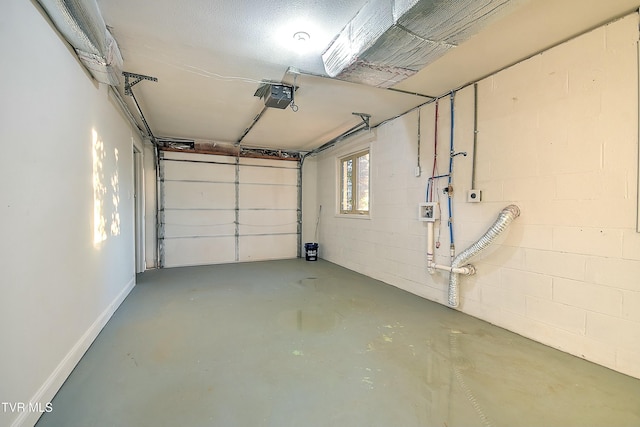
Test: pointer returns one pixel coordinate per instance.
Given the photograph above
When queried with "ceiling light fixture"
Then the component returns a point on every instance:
(301, 37)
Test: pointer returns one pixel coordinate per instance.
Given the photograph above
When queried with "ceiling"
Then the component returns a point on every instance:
(209, 57)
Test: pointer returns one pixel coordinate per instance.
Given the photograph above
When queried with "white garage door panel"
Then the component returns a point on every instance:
(258, 248)
(267, 162)
(189, 171)
(253, 196)
(198, 195)
(177, 155)
(268, 222)
(213, 215)
(199, 251)
(268, 175)
(197, 223)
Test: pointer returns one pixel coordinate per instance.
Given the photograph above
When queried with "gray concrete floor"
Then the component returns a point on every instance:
(297, 343)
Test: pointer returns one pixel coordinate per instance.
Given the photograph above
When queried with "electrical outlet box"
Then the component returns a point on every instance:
(474, 196)
(428, 211)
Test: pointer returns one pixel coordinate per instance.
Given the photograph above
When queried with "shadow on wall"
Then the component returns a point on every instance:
(106, 217)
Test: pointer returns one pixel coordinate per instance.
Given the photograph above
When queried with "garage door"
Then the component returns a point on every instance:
(220, 209)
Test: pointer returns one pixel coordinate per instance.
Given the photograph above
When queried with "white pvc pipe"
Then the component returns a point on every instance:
(467, 270)
(430, 250)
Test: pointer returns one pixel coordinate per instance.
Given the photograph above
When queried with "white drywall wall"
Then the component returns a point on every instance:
(558, 136)
(66, 179)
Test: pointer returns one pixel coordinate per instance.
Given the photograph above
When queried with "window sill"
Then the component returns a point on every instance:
(353, 216)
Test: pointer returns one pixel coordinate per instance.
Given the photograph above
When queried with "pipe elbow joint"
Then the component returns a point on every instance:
(470, 270)
(467, 270)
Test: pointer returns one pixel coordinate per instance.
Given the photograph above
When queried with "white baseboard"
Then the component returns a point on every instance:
(51, 386)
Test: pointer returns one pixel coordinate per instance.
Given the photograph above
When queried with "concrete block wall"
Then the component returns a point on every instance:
(558, 136)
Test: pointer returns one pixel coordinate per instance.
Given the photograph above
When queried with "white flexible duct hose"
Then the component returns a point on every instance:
(505, 217)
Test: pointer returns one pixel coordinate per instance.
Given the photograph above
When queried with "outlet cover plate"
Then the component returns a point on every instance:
(474, 196)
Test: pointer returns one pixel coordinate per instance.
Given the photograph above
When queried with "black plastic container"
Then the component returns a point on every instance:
(311, 251)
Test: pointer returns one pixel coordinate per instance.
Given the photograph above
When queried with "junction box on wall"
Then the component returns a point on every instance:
(474, 196)
(428, 211)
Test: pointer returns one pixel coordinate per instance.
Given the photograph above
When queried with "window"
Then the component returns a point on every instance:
(354, 184)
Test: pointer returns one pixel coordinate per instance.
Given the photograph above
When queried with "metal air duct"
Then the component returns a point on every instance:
(82, 25)
(506, 216)
(390, 40)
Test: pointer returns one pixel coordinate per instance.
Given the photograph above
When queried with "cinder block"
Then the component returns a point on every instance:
(385, 210)
(579, 186)
(528, 236)
(479, 310)
(594, 185)
(631, 306)
(622, 35)
(527, 327)
(414, 258)
(617, 273)
(588, 241)
(631, 245)
(526, 283)
(398, 254)
(415, 273)
(388, 266)
(558, 264)
(586, 80)
(515, 301)
(515, 77)
(619, 144)
(556, 315)
(584, 347)
(581, 151)
(530, 188)
(390, 195)
(550, 86)
(557, 136)
(491, 190)
(620, 57)
(589, 213)
(539, 213)
(552, 129)
(391, 226)
(470, 290)
(498, 255)
(492, 296)
(627, 362)
(584, 50)
(614, 331)
(601, 299)
(469, 230)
